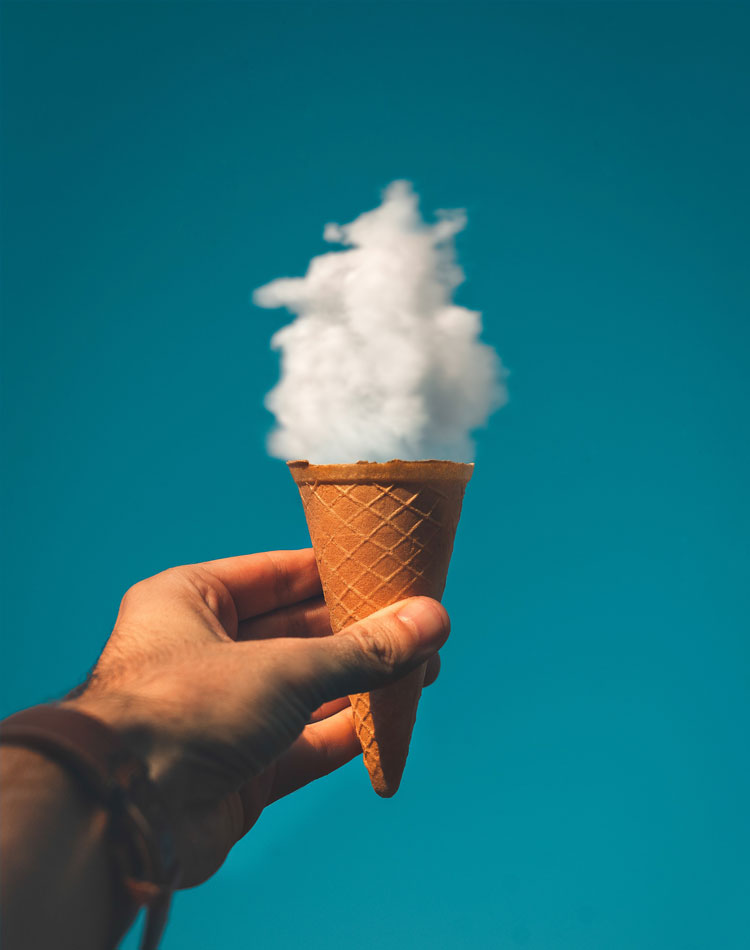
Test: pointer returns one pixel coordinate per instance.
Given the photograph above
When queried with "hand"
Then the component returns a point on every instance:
(225, 678)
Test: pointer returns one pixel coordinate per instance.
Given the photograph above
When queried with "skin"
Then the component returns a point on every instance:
(225, 679)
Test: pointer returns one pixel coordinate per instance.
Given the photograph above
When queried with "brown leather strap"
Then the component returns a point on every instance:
(141, 836)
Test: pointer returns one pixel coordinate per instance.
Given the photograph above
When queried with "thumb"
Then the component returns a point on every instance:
(380, 649)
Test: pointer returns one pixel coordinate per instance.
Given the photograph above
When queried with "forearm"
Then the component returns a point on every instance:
(58, 887)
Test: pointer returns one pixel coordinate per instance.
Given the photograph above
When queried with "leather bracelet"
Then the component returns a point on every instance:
(139, 822)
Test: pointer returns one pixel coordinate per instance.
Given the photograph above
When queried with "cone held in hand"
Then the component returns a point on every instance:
(381, 532)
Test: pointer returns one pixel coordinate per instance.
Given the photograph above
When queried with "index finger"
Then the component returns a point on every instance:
(262, 582)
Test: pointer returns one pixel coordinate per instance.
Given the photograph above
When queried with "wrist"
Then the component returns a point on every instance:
(137, 728)
(54, 842)
(35, 788)
(120, 713)
(98, 768)
(30, 780)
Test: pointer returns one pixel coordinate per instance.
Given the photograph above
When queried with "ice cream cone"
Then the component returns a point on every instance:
(382, 531)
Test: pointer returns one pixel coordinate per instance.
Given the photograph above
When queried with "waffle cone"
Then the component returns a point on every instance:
(382, 531)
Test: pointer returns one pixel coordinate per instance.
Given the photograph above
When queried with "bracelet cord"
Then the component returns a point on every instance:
(140, 834)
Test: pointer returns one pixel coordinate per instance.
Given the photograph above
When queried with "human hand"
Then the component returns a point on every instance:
(225, 678)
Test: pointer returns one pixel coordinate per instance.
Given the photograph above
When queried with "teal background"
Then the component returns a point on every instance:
(579, 774)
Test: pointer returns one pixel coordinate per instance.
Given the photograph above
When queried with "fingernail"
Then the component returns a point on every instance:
(429, 620)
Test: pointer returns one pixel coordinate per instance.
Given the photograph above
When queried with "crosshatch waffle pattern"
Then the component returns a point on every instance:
(376, 544)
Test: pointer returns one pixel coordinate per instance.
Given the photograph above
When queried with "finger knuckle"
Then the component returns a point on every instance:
(133, 595)
(379, 647)
(126, 599)
(213, 592)
(281, 579)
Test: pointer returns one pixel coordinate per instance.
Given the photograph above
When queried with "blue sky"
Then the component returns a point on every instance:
(578, 776)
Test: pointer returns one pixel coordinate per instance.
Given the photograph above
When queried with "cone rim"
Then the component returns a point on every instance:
(396, 470)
